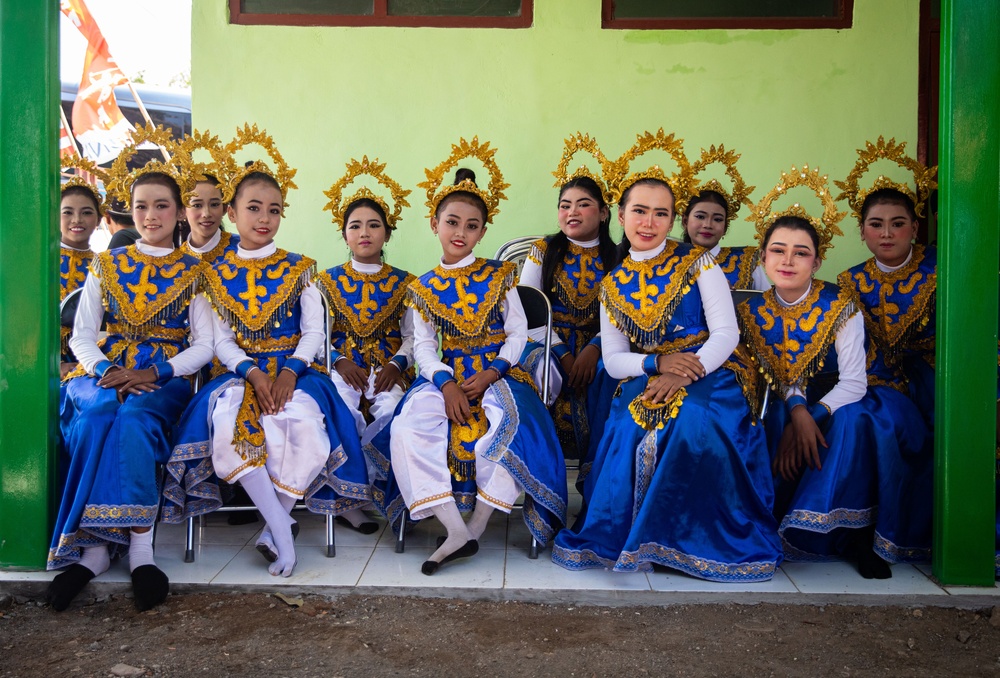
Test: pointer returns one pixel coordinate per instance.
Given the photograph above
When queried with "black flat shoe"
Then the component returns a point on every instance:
(871, 566)
(271, 555)
(469, 548)
(150, 586)
(367, 527)
(67, 585)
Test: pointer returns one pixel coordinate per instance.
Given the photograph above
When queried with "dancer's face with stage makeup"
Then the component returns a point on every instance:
(459, 225)
(156, 213)
(647, 215)
(790, 260)
(888, 231)
(204, 212)
(580, 214)
(78, 217)
(256, 211)
(365, 234)
(706, 223)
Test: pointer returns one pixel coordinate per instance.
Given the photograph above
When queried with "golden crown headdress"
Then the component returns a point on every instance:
(620, 179)
(122, 179)
(281, 173)
(923, 176)
(221, 167)
(78, 162)
(491, 195)
(338, 203)
(584, 142)
(826, 226)
(734, 198)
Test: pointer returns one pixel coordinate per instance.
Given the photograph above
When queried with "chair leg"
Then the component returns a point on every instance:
(533, 550)
(401, 539)
(331, 546)
(189, 541)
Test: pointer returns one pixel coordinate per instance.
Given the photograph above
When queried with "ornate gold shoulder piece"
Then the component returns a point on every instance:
(281, 173)
(89, 167)
(491, 195)
(826, 226)
(122, 178)
(338, 203)
(583, 142)
(221, 167)
(620, 179)
(923, 176)
(737, 196)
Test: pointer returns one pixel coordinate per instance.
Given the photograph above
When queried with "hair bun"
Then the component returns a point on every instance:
(464, 173)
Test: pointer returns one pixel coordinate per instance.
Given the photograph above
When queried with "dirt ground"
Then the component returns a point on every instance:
(259, 634)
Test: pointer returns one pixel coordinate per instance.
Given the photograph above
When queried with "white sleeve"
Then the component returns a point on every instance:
(87, 324)
(406, 330)
(312, 324)
(425, 348)
(200, 349)
(226, 348)
(515, 326)
(852, 382)
(619, 360)
(760, 281)
(720, 315)
(531, 276)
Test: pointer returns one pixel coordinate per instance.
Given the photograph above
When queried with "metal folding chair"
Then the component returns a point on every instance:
(516, 250)
(331, 547)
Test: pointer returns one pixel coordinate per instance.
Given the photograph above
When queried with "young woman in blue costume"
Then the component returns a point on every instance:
(568, 267)
(128, 389)
(273, 423)
(471, 432)
(681, 475)
(895, 292)
(372, 328)
(707, 213)
(825, 434)
(207, 240)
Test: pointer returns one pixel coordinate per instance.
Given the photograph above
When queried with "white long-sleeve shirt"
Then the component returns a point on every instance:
(852, 381)
(720, 316)
(90, 314)
(531, 275)
(515, 325)
(312, 324)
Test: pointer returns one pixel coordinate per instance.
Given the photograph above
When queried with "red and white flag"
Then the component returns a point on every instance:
(98, 123)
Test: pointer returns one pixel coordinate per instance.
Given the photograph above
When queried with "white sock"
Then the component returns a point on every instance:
(288, 503)
(258, 485)
(96, 559)
(140, 549)
(458, 533)
(480, 517)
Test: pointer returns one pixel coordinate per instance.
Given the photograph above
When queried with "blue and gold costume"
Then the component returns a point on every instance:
(699, 489)
(228, 242)
(261, 300)
(115, 446)
(73, 268)
(738, 263)
(465, 305)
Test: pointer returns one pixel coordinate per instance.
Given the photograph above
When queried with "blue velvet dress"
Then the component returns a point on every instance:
(465, 304)
(366, 311)
(685, 484)
(114, 446)
(579, 414)
(74, 265)
(266, 321)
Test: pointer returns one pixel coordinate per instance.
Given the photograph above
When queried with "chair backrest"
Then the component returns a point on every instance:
(536, 305)
(516, 250)
(68, 307)
(739, 296)
(325, 353)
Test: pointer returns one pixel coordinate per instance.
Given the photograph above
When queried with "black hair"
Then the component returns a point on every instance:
(795, 224)
(161, 179)
(468, 197)
(557, 244)
(625, 245)
(256, 178)
(708, 195)
(84, 191)
(888, 196)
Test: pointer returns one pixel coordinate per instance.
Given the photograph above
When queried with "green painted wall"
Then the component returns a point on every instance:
(405, 94)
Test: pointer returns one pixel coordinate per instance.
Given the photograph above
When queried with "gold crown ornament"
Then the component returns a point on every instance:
(826, 226)
(338, 203)
(122, 179)
(282, 173)
(221, 167)
(620, 179)
(491, 195)
(736, 197)
(923, 176)
(584, 142)
(82, 164)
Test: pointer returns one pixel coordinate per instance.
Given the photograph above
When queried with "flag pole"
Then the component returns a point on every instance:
(69, 130)
(145, 114)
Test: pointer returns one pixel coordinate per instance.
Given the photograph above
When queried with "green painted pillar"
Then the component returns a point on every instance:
(969, 238)
(29, 336)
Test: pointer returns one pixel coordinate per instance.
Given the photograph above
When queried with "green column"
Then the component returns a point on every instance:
(969, 237)
(29, 340)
